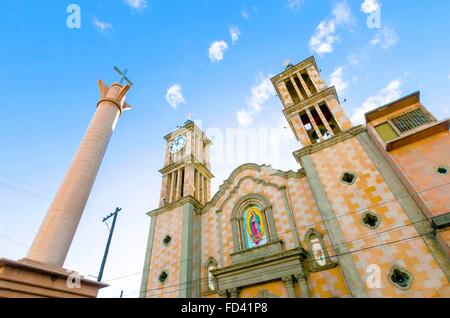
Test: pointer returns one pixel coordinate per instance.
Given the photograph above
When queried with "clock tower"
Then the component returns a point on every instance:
(173, 248)
(186, 170)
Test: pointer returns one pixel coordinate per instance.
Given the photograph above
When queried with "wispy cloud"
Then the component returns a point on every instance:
(449, 76)
(370, 6)
(260, 94)
(235, 33)
(385, 38)
(174, 96)
(388, 94)
(325, 37)
(245, 14)
(342, 14)
(295, 4)
(102, 26)
(244, 117)
(336, 79)
(137, 5)
(216, 51)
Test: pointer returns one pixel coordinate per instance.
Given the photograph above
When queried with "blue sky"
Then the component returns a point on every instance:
(212, 59)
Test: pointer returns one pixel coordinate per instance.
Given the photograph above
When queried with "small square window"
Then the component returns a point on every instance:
(163, 277)
(386, 132)
(370, 220)
(167, 240)
(442, 170)
(400, 278)
(348, 178)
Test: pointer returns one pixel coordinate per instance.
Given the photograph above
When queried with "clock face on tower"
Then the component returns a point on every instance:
(177, 144)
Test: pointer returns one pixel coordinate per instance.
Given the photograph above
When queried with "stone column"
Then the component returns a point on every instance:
(200, 182)
(178, 189)
(55, 235)
(314, 124)
(324, 120)
(305, 86)
(234, 292)
(205, 190)
(172, 187)
(223, 293)
(297, 89)
(289, 283)
(301, 281)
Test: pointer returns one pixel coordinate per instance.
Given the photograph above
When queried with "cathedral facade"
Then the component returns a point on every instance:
(367, 214)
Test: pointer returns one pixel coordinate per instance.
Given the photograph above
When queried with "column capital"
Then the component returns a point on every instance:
(289, 283)
(300, 276)
(288, 280)
(301, 281)
(234, 292)
(114, 94)
(223, 293)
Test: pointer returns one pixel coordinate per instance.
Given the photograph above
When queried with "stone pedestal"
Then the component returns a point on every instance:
(30, 279)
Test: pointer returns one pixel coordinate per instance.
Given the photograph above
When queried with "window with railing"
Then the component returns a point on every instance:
(412, 120)
(399, 125)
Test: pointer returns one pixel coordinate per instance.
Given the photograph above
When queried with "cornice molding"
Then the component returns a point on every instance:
(299, 66)
(189, 199)
(189, 125)
(314, 99)
(348, 134)
(189, 159)
(298, 253)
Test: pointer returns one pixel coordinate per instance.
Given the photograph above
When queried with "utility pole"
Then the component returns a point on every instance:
(111, 231)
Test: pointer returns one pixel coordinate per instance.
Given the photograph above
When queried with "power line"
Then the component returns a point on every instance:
(325, 245)
(38, 196)
(120, 277)
(47, 199)
(337, 217)
(320, 222)
(364, 209)
(259, 274)
(13, 241)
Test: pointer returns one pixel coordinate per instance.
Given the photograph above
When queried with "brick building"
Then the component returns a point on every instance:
(365, 216)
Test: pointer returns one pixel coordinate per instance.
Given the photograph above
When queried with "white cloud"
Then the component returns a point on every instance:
(322, 41)
(325, 36)
(136, 4)
(234, 33)
(245, 118)
(370, 6)
(342, 13)
(386, 38)
(295, 4)
(336, 79)
(388, 94)
(101, 25)
(174, 96)
(216, 51)
(260, 94)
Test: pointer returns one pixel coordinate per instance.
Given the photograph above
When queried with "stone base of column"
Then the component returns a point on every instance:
(28, 279)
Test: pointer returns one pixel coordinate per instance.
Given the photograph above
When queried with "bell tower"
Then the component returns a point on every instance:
(311, 107)
(186, 170)
(172, 266)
